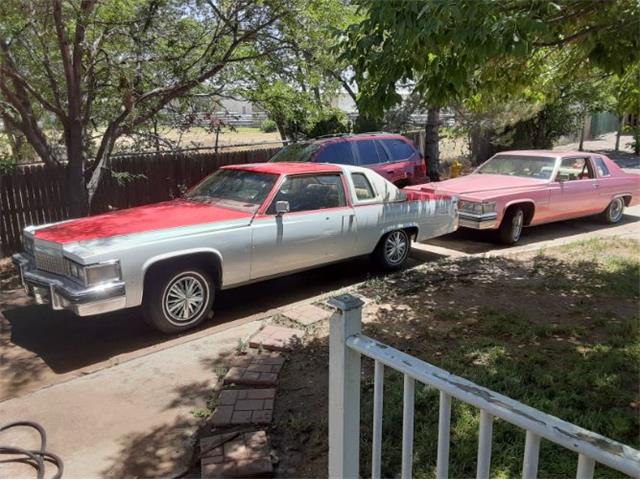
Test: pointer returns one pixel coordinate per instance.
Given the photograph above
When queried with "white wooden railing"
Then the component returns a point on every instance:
(347, 344)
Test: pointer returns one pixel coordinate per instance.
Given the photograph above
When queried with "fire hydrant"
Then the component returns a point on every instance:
(455, 168)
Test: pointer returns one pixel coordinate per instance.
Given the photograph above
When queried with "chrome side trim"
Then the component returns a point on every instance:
(478, 222)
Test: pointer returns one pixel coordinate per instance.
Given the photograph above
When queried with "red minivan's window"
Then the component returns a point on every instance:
(398, 149)
(368, 153)
(296, 152)
(339, 152)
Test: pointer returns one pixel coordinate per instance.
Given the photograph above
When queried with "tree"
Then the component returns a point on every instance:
(452, 49)
(100, 70)
(296, 84)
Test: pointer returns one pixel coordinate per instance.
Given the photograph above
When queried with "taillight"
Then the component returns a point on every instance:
(421, 169)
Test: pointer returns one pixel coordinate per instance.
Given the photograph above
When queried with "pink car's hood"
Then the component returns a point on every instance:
(484, 185)
(172, 214)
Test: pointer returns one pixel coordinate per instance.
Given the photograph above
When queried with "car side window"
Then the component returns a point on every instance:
(310, 192)
(398, 149)
(363, 188)
(367, 152)
(383, 155)
(603, 171)
(339, 152)
(574, 169)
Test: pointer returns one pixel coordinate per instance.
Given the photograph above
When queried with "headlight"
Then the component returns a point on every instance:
(103, 272)
(95, 274)
(477, 208)
(27, 243)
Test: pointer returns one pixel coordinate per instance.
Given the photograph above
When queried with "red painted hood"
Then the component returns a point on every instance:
(484, 185)
(172, 214)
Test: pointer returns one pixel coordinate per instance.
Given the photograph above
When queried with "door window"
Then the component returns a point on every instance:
(339, 152)
(398, 149)
(574, 169)
(367, 152)
(310, 192)
(603, 171)
(363, 188)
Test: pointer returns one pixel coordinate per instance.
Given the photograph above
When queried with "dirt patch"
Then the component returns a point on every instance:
(557, 330)
(9, 278)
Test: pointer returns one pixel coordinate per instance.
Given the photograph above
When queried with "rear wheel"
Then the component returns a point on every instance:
(178, 298)
(511, 226)
(615, 211)
(392, 250)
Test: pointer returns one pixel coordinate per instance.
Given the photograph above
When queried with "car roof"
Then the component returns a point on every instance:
(544, 153)
(285, 168)
(350, 137)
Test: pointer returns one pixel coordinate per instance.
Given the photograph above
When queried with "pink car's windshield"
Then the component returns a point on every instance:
(519, 166)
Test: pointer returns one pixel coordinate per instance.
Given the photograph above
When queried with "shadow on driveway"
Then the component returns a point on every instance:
(482, 241)
(38, 345)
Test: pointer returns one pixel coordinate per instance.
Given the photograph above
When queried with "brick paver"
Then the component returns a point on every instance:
(259, 370)
(244, 407)
(275, 337)
(306, 314)
(235, 455)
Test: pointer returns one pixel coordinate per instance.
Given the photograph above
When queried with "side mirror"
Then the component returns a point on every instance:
(282, 207)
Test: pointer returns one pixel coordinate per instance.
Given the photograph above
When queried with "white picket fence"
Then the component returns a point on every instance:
(347, 344)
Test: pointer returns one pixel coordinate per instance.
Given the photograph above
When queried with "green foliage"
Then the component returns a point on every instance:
(327, 122)
(450, 49)
(296, 84)
(367, 123)
(268, 126)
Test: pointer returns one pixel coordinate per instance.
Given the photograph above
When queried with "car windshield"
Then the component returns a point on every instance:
(242, 189)
(519, 166)
(296, 152)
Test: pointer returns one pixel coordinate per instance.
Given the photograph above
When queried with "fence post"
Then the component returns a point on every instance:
(344, 388)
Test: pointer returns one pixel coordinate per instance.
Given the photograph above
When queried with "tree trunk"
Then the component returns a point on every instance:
(480, 145)
(77, 196)
(619, 132)
(432, 144)
(584, 123)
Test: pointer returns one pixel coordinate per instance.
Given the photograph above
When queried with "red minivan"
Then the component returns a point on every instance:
(393, 156)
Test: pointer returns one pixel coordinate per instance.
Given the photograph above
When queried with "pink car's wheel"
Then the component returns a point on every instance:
(615, 211)
(511, 226)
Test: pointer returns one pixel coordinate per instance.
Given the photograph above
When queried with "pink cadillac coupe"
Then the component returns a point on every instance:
(518, 189)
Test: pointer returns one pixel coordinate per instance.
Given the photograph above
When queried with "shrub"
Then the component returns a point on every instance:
(268, 126)
(328, 122)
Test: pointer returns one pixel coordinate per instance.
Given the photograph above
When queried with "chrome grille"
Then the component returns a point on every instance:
(50, 263)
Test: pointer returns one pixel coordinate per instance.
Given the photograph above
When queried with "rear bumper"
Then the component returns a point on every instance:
(64, 294)
(478, 222)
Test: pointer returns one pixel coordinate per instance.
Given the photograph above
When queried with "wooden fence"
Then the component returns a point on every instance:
(35, 194)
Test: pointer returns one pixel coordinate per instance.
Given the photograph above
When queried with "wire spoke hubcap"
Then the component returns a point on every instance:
(185, 297)
(518, 221)
(615, 210)
(395, 247)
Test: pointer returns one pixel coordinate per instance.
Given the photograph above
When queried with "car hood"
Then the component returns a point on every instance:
(159, 216)
(483, 185)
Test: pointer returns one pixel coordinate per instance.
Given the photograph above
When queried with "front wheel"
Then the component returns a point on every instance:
(615, 211)
(392, 250)
(178, 298)
(511, 226)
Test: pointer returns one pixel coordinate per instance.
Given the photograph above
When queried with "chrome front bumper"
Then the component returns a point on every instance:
(64, 294)
(478, 222)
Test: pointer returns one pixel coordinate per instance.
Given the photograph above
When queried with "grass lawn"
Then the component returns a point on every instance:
(557, 330)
